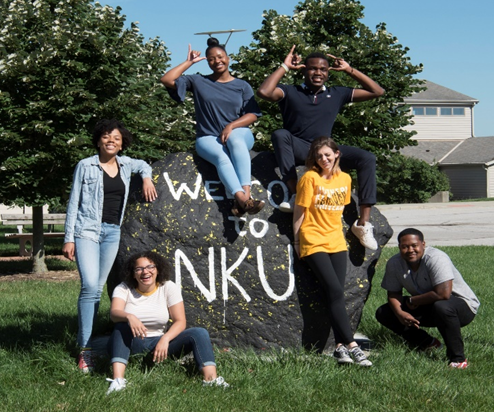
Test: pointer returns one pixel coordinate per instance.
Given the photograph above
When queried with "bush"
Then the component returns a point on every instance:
(403, 179)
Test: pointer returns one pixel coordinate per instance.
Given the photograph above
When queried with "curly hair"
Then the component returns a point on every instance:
(317, 144)
(163, 267)
(106, 126)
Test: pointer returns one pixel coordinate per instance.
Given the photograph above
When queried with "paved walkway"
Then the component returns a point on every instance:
(444, 224)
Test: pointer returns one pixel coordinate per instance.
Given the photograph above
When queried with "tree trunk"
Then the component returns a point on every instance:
(39, 264)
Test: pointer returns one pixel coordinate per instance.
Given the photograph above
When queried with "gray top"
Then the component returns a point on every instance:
(435, 267)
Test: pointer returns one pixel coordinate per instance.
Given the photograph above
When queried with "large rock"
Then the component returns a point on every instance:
(239, 277)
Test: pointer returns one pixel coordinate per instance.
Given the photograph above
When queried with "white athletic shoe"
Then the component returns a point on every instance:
(219, 381)
(288, 207)
(116, 385)
(365, 235)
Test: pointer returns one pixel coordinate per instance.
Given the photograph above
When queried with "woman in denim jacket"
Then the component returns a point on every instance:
(95, 212)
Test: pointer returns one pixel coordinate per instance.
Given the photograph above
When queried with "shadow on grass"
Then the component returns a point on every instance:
(8, 267)
(30, 328)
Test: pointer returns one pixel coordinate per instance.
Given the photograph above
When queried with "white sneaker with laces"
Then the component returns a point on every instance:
(288, 207)
(116, 385)
(219, 381)
(342, 355)
(365, 235)
(359, 356)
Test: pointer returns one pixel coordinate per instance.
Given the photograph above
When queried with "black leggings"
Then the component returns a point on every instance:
(330, 269)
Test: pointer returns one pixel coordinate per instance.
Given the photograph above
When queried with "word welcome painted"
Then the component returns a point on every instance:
(258, 228)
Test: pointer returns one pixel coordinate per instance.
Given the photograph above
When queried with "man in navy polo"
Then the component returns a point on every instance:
(309, 111)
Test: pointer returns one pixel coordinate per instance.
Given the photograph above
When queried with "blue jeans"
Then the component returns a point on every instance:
(195, 340)
(232, 161)
(94, 261)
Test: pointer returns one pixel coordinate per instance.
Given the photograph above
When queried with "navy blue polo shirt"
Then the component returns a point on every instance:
(307, 115)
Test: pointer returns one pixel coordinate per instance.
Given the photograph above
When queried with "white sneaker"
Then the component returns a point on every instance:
(219, 381)
(288, 207)
(359, 356)
(342, 355)
(365, 235)
(116, 385)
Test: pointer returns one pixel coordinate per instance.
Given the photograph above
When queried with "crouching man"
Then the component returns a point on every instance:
(438, 297)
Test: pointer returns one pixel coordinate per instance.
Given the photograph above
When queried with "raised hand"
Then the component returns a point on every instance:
(339, 64)
(194, 56)
(293, 60)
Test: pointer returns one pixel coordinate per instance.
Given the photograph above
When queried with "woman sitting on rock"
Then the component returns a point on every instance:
(225, 107)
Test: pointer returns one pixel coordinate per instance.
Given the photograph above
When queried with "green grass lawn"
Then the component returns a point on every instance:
(38, 370)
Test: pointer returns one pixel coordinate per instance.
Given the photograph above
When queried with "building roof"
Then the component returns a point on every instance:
(435, 94)
(475, 150)
(430, 151)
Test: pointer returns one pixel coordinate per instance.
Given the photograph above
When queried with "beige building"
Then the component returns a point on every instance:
(444, 122)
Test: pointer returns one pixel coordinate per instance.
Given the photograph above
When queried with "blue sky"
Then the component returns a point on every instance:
(453, 39)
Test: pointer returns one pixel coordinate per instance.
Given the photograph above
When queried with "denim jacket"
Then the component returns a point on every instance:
(85, 209)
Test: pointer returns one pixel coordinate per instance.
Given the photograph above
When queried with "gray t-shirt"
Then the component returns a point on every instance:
(435, 267)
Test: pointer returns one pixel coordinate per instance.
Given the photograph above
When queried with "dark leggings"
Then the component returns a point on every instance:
(330, 269)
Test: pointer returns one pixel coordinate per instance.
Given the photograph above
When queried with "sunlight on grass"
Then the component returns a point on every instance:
(38, 372)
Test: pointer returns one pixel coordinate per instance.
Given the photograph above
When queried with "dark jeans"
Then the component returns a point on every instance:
(195, 340)
(448, 316)
(330, 270)
(291, 151)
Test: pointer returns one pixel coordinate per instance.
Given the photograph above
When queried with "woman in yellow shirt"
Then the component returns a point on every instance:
(322, 193)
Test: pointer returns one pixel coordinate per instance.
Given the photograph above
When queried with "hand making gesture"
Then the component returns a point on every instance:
(194, 56)
(339, 64)
(292, 60)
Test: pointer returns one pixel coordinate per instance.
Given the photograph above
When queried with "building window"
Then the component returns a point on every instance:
(442, 111)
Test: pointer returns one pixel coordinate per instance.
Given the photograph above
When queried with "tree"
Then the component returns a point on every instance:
(333, 26)
(63, 66)
(400, 178)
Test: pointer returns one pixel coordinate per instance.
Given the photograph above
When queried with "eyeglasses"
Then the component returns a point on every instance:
(139, 269)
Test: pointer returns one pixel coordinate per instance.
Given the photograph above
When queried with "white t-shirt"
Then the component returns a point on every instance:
(435, 267)
(151, 310)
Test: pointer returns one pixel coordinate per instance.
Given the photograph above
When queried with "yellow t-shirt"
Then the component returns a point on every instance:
(324, 201)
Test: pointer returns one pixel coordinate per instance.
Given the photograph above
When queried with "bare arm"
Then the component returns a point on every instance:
(370, 89)
(177, 315)
(148, 190)
(268, 89)
(442, 291)
(193, 56)
(244, 121)
(395, 300)
(118, 314)
(298, 218)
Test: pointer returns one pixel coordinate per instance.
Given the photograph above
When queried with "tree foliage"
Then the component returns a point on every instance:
(333, 26)
(409, 180)
(64, 64)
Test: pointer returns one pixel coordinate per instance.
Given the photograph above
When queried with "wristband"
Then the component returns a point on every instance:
(285, 67)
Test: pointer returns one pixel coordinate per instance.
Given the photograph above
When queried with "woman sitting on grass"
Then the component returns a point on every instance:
(322, 193)
(141, 308)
